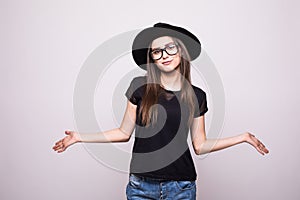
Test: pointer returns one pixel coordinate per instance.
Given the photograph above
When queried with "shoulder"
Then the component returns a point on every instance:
(200, 94)
(198, 91)
(202, 108)
(135, 90)
(139, 80)
(137, 83)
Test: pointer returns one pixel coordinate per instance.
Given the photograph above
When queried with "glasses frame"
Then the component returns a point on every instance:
(162, 50)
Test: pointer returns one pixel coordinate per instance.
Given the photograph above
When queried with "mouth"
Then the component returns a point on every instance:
(167, 62)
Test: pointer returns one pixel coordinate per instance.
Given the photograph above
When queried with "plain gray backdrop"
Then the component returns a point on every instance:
(255, 48)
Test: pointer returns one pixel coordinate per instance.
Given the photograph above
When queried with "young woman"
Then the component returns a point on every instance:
(162, 107)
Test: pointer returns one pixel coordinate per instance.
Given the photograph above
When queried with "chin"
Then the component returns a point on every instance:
(168, 69)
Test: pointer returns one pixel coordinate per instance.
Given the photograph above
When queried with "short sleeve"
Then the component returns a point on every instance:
(133, 92)
(201, 108)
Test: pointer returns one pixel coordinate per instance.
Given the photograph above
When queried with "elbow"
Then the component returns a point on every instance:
(197, 150)
(200, 150)
(125, 136)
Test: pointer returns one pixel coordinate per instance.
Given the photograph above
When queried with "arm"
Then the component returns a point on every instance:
(121, 134)
(203, 145)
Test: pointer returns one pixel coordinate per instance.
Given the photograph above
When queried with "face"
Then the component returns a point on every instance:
(167, 63)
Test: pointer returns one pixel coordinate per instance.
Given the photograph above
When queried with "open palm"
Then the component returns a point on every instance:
(71, 138)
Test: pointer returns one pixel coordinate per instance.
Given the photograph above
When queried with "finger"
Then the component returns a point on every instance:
(57, 144)
(258, 141)
(252, 135)
(255, 140)
(266, 150)
(257, 146)
(260, 151)
(263, 147)
(253, 143)
(60, 141)
(57, 147)
(61, 150)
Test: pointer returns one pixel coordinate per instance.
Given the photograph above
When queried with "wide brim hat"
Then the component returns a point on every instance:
(144, 38)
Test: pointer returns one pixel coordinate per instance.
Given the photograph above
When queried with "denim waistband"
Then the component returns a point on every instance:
(144, 178)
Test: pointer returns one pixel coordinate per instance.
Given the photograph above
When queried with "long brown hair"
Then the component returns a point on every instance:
(149, 112)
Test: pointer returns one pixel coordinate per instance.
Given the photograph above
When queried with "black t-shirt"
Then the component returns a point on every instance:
(161, 151)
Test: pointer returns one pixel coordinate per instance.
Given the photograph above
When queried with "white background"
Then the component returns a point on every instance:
(254, 45)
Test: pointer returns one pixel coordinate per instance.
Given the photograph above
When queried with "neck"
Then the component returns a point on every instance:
(171, 81)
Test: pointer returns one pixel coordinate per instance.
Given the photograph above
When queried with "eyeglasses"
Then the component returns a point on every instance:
(170, 49)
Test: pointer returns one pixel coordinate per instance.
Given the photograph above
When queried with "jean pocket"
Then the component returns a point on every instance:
(134, 181)
(185, 185)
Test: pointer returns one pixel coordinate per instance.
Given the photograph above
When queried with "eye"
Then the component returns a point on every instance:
(171, 46)
(155, 52)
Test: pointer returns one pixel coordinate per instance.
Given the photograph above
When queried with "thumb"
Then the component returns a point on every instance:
(67, 132)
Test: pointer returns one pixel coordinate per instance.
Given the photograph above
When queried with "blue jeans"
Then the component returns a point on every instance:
(139, 188)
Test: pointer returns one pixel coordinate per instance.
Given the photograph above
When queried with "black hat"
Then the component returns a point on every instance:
(145, 37)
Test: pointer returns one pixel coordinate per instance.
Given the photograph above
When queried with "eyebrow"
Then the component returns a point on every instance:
(163, 47)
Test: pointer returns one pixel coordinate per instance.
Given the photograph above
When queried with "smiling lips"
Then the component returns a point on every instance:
(167, 62)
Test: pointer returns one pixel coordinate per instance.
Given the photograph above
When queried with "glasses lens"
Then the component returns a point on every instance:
(171, 49)
(156, 54)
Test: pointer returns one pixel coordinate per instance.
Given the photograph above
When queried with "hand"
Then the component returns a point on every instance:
(260, 147)
(71, 138)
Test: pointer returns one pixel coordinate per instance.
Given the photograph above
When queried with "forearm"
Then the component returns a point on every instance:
(211, 145)
(114, 135)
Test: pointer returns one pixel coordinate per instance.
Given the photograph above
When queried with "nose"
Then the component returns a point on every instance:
(164, 54)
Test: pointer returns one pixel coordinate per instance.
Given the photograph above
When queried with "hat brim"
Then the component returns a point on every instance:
(145, 37)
